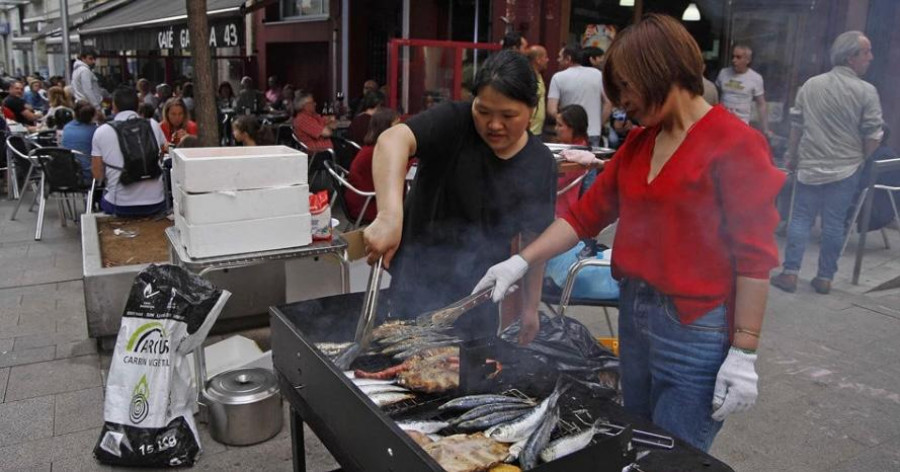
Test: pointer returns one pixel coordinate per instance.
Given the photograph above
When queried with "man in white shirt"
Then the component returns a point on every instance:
(85, 85)
(141, 198)
(578, 85)
(836, 123)
(740, 86)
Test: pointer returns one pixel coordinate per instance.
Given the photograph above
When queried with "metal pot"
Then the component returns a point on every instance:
(243, 406)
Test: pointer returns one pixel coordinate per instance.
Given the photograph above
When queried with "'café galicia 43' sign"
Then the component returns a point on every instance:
(222, 34)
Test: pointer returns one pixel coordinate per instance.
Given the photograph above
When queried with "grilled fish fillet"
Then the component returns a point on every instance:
(467, 453)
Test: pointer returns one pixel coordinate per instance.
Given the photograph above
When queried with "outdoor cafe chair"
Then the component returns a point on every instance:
(562, 297)
(18, 166)
(339, 175)
(344, 150)
(62, 179)
(318, 174)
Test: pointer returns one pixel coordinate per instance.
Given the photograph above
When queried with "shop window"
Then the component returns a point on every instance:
(304, 9)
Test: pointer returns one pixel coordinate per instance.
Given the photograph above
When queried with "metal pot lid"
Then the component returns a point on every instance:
(243, 386)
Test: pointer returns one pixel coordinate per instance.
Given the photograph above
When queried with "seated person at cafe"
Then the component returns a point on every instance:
(361, 168)
(15, 102)
(176, 122)
(249, 100)
(33, 96)
(359, 126)
(141, 198)
(313, 129)
(78, 135)
(248, 131)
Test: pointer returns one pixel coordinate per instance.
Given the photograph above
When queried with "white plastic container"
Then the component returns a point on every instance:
(200, 170)
(239, 205)
(239, 237)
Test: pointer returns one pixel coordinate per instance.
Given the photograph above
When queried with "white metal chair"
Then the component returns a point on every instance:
(17, 163)
(339, 175)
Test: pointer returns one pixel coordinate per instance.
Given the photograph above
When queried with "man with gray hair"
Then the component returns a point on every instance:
(835, 123)
(740, 86)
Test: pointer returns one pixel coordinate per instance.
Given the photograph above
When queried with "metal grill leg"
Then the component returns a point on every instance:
(298, 445)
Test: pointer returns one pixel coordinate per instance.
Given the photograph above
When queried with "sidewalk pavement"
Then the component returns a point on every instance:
(829, 370)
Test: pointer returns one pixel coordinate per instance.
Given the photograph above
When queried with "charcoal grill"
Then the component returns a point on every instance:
(364, 437)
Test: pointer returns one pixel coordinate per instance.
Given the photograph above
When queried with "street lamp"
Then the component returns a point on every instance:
(691, 13)
(626, 3)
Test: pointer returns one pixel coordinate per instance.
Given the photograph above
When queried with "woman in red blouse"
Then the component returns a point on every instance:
(361, 168)
(176, 123)
(694, 193)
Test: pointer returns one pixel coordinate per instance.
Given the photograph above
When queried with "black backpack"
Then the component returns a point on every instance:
(140, 150)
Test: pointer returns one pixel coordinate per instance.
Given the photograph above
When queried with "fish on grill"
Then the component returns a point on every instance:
(432, 374)
(573, 443)
(427, 427)
(528, 458)
(473, 401)
(425, 357)
(483, 410)
(467, 453)
(419, 437)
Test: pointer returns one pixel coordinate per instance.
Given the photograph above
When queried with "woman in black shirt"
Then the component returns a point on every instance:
(484, 186)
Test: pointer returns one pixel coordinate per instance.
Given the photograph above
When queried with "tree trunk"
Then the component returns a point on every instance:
(204, 88)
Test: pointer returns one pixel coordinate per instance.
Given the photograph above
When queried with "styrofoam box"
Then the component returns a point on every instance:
(240, 237)
(237, 205)
(199, 170)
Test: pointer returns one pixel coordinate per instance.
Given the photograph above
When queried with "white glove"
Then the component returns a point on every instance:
(585, 158)
(735, 385)
(502, 276)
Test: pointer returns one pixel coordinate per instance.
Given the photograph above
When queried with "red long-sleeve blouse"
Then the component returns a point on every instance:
(708, 216)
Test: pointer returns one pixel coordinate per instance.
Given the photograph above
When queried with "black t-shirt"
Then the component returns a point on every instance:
(17, 106)
(464, 209)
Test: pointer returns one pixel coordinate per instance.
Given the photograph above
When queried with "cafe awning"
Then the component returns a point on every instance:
(54, 27)
(149, 13)
(146, 25)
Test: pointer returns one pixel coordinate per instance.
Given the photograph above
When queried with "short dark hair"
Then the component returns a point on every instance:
(146, 110)
(187, 90)
(125, 99)
(372, 100)
(189, 141)
(589, 53)
(87, 51)
(652, 56)
(84, 111)
(511, 40)
(261, 134)
(576, 118)
(509, 73)
(573, 52)
(380, 122)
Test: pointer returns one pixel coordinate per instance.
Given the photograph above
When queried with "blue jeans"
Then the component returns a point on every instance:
(669, 369)
(832, 200)
(134, 210)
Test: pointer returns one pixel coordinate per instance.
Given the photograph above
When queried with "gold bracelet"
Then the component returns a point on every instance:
(755, 334)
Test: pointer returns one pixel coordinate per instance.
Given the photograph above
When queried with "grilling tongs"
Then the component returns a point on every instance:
(437, 318)
(367, 316)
